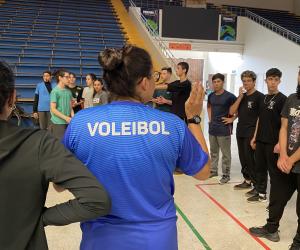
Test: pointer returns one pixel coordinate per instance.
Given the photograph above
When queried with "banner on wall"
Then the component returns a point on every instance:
(228, 28)
(152, 17)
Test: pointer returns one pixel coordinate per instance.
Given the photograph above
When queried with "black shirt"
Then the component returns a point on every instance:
(77, 94)
(180, 93)
(248, 113)
(291, 111)
(270, 118)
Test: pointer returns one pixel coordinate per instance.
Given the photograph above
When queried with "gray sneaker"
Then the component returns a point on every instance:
(224, 179)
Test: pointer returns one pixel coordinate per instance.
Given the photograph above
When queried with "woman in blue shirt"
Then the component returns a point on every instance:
(133, 150)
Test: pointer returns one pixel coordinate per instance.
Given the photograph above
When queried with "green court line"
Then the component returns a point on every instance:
(196, 233)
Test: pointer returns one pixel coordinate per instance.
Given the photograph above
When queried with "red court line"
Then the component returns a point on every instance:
(232, 217)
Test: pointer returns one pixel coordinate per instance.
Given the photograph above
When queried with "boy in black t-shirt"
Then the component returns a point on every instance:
(247, 107)
(267, 135)
(77, 100)
(286, 179)
(180, 90)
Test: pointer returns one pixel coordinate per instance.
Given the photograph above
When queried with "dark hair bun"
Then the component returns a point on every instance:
(110, 59)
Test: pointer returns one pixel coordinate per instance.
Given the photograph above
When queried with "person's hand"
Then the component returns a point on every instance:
(241, 91)
(162, 100)
(68, 119)
(36, 116)
(154, 100)
(276, 149)
(227, 120)
(194, 103)
(253, 143)
(284, 163)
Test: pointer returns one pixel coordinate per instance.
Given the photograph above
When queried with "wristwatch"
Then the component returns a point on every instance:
(196, 120)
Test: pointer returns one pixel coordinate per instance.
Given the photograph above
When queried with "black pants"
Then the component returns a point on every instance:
(265, 160)
(283, 187)
(246, 155)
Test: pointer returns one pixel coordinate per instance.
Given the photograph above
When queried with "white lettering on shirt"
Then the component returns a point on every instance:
(128, 128)
(94, 129)
(102, 131)
(294, 112)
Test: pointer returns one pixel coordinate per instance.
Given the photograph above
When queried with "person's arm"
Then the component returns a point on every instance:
(35, 106)
(209, 111)
(83, 97)
(193, 107)
(235, 106)
(162, 100)
(253, 140)
(59, 114)
(71, 110)
(161, 86)
(59, 166)
(283, 157)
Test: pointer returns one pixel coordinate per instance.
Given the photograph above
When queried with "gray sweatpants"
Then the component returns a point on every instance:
(223, 143)
(44, 119)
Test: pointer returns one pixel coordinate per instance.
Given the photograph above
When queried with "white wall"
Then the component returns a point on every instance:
(265, 49)
(265, 4)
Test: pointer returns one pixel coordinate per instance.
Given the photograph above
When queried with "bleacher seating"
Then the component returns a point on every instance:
(153, 4)
(282, 18)
(39, 35)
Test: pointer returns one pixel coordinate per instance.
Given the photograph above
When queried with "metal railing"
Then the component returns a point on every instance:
(156, 38)
(273, 26)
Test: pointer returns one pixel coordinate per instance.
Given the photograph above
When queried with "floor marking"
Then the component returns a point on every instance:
(194, 230)
(232, 217)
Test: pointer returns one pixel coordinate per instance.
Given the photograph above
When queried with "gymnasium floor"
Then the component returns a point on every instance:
(210, 216)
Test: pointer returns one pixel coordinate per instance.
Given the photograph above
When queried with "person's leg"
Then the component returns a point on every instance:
(214, 154)
(58, 130)
(296, 240)
(261, 173)
(43, 120)
(250, 160)
(282, 188)
(225, 146)
(242, 155)
(48, 117)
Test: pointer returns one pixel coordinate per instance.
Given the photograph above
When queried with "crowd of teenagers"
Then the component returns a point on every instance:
(118, 159)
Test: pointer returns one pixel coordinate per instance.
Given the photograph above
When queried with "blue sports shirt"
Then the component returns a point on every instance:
(133, 150)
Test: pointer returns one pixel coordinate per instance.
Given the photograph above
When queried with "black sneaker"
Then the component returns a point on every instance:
(257, 198)
(224, 179)
(262, 232)
(251, 193)
(243, 185)
(296, 243)
(213, 175)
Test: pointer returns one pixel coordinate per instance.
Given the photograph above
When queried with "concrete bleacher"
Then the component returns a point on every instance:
(39, 35)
